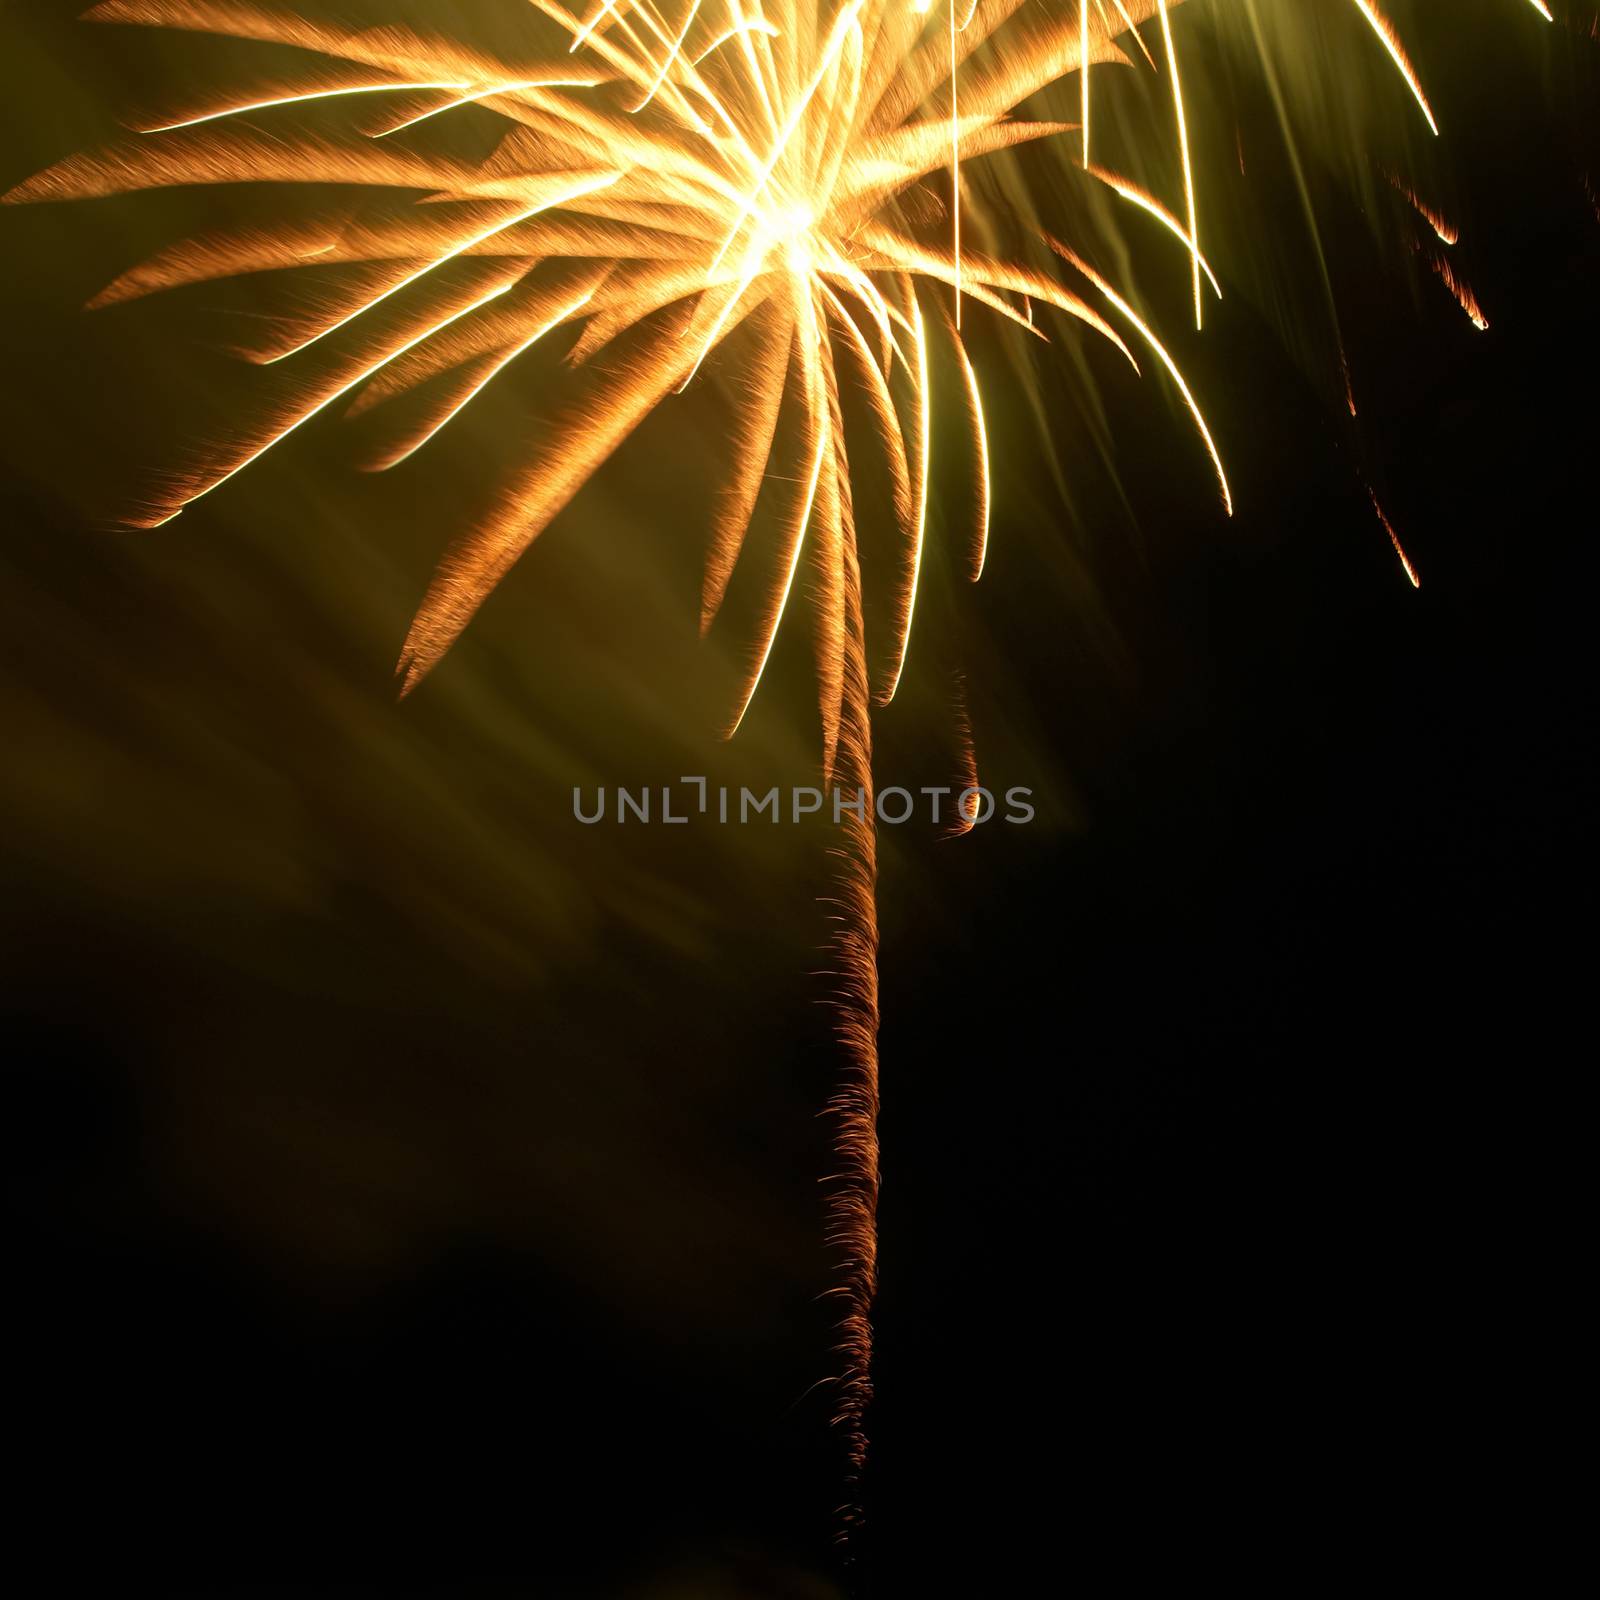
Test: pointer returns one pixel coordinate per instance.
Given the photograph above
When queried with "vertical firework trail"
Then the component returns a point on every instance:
(853, 1203)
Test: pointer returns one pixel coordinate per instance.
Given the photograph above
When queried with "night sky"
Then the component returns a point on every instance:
(416, 1192)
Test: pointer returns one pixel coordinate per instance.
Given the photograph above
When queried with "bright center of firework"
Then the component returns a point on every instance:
(788, 231)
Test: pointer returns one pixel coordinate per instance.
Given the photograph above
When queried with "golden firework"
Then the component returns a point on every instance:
(666, 174)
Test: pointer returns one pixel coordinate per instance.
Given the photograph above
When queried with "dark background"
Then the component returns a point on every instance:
(416, 1192)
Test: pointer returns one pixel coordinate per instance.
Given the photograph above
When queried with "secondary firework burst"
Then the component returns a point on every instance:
(669, 176)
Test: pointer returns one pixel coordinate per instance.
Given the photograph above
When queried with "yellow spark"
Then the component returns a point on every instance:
(566, 312)
(819, 421)
(302, 98)
(1183, 151)
(584, 34)
(924, 476)
(758, 25)
(1441, 225)
(1146, 201)
(1161, 352)
(343, 389)
(758, 66)
(1397, 54)
(967, 813)
(981, 438)
(1394, 539)
(1132, 27)
(589, 186)
(955, 164)
(1461, 290)
(670, 57)
(479, 95)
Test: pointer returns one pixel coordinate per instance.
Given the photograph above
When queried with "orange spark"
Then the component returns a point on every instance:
(1391, 42)
(1446, 230)
(1394, 539)
(1460, 289)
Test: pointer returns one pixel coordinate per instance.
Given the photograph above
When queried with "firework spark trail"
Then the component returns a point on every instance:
(969, 801)
(955, 159)
(478, 377)
(852, 1206)
(1397, 53)
(1166, 360)
(1460, 290)
(1147, 202)
(744, 183)
(1394, 539)
(341, 387)
(924, 476)
(1085, 61)
(1183, 154)
(980, 435)
(1446, 230)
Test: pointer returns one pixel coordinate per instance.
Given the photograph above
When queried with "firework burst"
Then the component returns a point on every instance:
(667, 176)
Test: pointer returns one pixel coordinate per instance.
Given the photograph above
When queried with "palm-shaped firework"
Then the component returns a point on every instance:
(667, 175)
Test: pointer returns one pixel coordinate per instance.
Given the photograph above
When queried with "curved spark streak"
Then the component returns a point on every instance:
(1161, 353)
(924, 474)
(757, 25)
(819, 455)
(1183, 151)
(301, 99)
(955, 163)
(1397, 54)
(1083, 73)
(981, 433)
(1133, 28)
(1394, 539)
(343, 389)
(589, 187)
(494, 370)
(1460, 290)
(494, 90)
(583, 36)
(669, 58)
(1147, 202)
(1446, 230)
